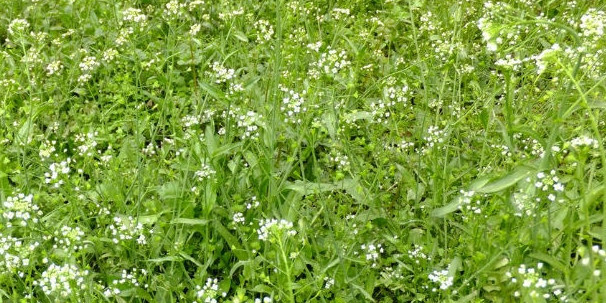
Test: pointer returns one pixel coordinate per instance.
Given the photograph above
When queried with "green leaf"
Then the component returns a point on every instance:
(447, 209)
(240, 36)
(25, 130)
(225, 149)
(304, 188)
(213, 92)
(150, 219)
(262, 289)
(363, 291)
(355, 190)
(227, 236)
(507, 181)
(238, 265)
(553, 262)
(165, 259)
(188, 221)
(170, 190)
(190, 258)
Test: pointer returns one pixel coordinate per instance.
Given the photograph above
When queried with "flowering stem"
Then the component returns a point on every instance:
(291, 297)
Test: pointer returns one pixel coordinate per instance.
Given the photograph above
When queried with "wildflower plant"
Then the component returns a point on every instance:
(302, 151)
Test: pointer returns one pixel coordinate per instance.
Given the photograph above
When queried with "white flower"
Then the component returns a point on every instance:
(274, 227)
(205, 172)
(134, 15)
(221, 74)
(264, 31)
(17, 25)
(209, 292)
(441, 277)
(330, 63)
(54, 67)
(194, 29)
(57, 280)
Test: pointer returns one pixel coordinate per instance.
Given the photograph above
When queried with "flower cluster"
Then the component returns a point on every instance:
(502, 149)
(124, 229)
(372, 252)
(532, 146)
(17, 26)
(264, 31)
(593, 23)
(194, 29)
(340, 13)
(87, 66)
(221, 73)
(109, 55)
(134, 15)
(56, 171)
(69, 238)
(15, 254)
(132, 278)
(328, 282)
(293, 104)
(238, 218)
(442, 278)
(20, 209)
(54, 67)
(209, 292)
(174, 9)
(254, 203)
(264, 300)
(205, 172)
(381, 109)
(580, 142)
(275, 228)
(57, 281)
(547, 182)
(417, 254)
(468, 205)
(331, 63)
(87, 143)
(534, 284)
(249, 125)
(339, 160)
(435, 137)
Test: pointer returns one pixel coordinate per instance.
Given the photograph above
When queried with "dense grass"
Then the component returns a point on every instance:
(302, 151)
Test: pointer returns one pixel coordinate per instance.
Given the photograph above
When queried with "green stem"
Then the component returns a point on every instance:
(291, 296)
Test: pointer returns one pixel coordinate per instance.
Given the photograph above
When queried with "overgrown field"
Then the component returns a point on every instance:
(302, 151)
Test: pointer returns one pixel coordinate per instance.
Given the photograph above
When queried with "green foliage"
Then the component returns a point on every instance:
(302, 151)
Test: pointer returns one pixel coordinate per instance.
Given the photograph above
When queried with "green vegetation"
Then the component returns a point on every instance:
(302, 151)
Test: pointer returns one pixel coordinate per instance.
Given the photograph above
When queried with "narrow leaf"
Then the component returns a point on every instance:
(188, 221)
